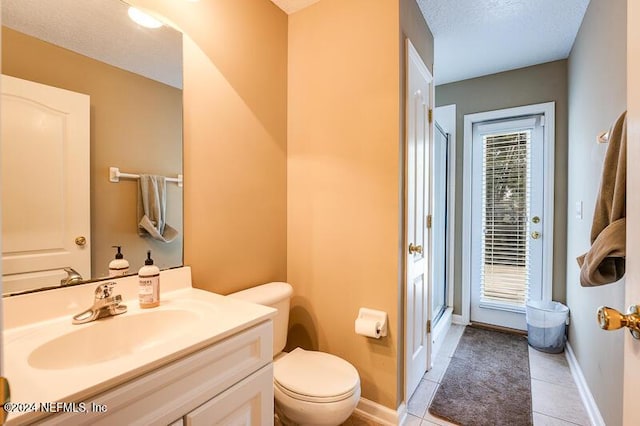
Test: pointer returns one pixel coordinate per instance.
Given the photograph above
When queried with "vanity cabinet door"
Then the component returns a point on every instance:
(247, 403)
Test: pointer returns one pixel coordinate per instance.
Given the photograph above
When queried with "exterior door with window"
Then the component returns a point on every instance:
(507, 219)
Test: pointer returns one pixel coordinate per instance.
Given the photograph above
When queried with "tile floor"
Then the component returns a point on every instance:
(555, 398)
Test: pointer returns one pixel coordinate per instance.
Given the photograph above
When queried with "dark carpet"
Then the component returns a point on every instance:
(487, 381)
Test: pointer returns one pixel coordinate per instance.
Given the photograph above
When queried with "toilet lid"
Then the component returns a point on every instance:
(315, 376)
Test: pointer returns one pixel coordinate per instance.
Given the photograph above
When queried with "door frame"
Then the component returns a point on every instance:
(548, 110)
(630, 406)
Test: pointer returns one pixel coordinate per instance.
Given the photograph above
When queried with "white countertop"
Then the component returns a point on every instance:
(215, 318)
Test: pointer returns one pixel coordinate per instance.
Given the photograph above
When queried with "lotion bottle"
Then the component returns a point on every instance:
(118, 266)
(149, 279)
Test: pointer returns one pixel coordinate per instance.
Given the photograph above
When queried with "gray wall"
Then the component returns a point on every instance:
(597, 95)
(525, 86)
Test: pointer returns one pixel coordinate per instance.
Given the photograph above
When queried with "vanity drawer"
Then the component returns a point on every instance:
(249, 402)
(168, 393)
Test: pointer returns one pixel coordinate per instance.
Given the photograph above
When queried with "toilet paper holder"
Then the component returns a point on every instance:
(377, 317)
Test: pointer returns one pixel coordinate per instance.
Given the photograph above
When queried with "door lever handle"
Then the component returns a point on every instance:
(611, 319)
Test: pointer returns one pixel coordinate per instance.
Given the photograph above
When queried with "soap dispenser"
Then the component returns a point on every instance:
(149, 280)
(118, 266)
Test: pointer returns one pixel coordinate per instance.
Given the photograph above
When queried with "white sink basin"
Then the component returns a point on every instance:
(111, 337)
(47, 358)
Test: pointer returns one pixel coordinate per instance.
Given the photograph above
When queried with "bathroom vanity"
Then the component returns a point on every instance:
(198, 358)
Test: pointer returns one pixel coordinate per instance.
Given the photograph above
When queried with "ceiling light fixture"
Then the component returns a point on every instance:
(143, 19)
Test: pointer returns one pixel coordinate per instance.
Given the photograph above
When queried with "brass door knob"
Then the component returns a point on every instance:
(5, 396)
(81, 241)
(535, 235)
(414, 249)
(611, 319)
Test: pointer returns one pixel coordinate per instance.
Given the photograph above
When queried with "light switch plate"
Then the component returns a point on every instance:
(578, 209)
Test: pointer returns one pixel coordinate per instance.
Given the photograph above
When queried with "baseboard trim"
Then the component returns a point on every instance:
(585, 394)
(457, 319)
(401, 413)
(381, 414)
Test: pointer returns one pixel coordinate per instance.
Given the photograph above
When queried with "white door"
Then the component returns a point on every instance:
(418, 133)
(45, 177)
(507, 219)
(631, 396)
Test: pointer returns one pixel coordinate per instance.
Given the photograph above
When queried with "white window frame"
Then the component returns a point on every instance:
(548, 111)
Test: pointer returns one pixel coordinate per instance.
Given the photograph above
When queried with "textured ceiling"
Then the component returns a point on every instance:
(292, 6)
(481, 37)
(472, 37)
(100, 29)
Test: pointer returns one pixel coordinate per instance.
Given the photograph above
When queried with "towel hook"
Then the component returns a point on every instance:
(603, 137)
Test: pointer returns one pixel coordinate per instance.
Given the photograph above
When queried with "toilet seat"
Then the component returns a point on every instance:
(310, 398)
(315, 376)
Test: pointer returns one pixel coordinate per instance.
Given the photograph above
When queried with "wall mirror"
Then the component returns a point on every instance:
(130, 78)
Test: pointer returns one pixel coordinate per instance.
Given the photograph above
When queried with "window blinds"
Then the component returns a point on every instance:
(506, 185)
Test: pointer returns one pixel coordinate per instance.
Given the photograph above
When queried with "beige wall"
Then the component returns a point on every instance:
(338, 239)
(597, 96)
(136, 124)
(344, 182)
(343, 170)
(532, 85)
(235, 141)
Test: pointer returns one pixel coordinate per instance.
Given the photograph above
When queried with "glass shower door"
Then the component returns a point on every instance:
(439, 223)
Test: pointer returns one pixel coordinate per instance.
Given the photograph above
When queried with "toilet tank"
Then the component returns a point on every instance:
(275, 295)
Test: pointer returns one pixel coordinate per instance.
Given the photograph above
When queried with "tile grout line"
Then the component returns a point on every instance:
(437, 384)
(558, 384)
(553, 383)
(449, 356)
(556, 418)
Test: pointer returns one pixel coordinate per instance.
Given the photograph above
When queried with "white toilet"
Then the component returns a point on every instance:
(310, 388)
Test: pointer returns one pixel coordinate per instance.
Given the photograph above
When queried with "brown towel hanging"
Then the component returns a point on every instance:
(604, 263)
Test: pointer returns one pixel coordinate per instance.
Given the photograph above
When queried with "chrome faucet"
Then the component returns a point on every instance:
(104, 305)
(73, 277)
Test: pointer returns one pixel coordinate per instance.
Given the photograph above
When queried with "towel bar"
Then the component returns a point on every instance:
(115, 174)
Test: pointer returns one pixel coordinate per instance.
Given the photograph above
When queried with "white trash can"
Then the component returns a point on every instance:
(547, 325)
